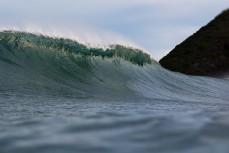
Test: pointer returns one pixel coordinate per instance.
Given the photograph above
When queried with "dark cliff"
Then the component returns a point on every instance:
(205, 53)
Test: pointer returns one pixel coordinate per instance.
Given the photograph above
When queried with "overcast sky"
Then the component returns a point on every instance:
(156, 25)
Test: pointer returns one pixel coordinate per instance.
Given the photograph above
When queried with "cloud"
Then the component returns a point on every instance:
(156, 25)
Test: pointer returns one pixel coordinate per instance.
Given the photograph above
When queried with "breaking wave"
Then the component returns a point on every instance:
(35, 64)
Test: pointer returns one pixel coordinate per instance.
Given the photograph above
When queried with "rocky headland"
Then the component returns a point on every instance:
(205, 53)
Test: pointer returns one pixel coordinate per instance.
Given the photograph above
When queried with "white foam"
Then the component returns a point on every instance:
(88, 36)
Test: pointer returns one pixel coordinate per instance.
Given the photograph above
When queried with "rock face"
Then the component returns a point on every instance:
(205, 53)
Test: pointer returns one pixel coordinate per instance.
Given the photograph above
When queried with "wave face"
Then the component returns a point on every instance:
(65, 63)
(103, 100)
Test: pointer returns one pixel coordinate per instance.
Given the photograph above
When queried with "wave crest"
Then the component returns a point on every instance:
(25, 41)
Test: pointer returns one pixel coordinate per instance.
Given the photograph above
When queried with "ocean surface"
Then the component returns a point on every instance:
(59, 96)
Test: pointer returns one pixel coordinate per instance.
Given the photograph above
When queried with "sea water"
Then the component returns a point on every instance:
(57, 98)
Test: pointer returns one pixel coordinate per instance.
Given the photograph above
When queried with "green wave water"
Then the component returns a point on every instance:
(25, 41)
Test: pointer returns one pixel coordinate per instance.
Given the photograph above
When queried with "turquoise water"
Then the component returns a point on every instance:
(57, 95)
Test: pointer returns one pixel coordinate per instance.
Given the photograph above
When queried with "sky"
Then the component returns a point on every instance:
(156, 26)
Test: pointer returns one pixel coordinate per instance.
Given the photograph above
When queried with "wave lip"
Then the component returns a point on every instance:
(22, 40)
